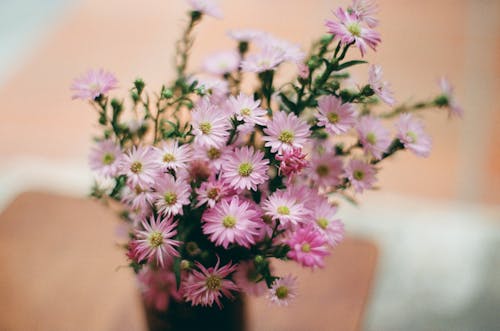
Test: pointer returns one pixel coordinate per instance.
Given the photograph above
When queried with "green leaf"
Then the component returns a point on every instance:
(177, 272)
(349, 64)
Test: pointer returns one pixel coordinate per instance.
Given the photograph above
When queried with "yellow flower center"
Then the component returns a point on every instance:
(229, 221)
(136, 167)
(322, 170)
(412, 136)
(155, 239)
(333, 117)
(322, 223)
(286, 136)
(306, 248)
(245, 169)
(170, 198)
(283, 210)
(358, 175)
(168, 157)
(281, 292)
(108, 158)
(354, 29)
(213, 282)
(212, 193)
(245, 112)
(205, 127)
(371, 138)
(213, 153)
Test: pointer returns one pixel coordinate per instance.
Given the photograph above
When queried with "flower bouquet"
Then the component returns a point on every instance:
(215, 179)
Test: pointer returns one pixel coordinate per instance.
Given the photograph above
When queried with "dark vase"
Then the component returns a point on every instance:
(184, 317)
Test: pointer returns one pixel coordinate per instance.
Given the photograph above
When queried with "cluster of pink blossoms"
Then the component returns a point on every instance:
(217, 180)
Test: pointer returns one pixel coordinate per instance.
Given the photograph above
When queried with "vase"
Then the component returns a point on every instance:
(184, 317)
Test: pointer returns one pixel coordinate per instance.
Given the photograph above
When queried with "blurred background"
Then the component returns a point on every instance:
(436, 221)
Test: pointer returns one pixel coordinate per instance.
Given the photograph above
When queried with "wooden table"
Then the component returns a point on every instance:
(60, 271)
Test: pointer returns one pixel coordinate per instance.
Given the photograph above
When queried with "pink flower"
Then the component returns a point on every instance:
(171, 195)
(215, 88)
(246, 277)
(413, 136)
(154, 242)
(245, 168)
(373, 136)
(286, 208)
(222, 63)
(364, 11)
(308, 247)
(292, 162)
(360, 174)
(303, 70)
(285, 131)
(381, 88)
(291, 52)
(336, 117)
(447, 99)
(232, 221)
(172, 156)
(283, 290)
(93, 84)
(245, 35)
(268, 59)
(207, 7)
(105, 158)
(138, 198)
(326, 170)
(140, 167)
(213, 191)
(210, 126)
(206, 286)
(349, 29)
(248, 110)
(327, 223)
(158, 287)
(215, 156)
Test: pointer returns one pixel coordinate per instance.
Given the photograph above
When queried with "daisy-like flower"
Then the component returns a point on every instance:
(447, 99)
(360, 174)
(308, 247)
(327, 223)
(283, 290)
(291, 52)
(245, 168)
(286, 208)
(285, 131)
(207, 7)
(364, 10)
(140, 167)
(350, 29)
(210, 126)
(93, 84)
(413, 136)
(172, 156)
(373, 136)
(158, 287)
(232, 221)
(105, 158)
(336, 117)
(292, 162)
(245, 35)
(267, 59)
(248, 110)
(171, 195)
(213, 191)
(215, 88)
(205, 286)
(138, 198)
(326, 170)
(246, 277)
(155, 242)
(215, 156)
(381, 88)
(222, 63)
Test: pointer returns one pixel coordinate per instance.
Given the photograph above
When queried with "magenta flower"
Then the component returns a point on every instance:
(327, 223)
(292, 162)
(308, 247)
(140, 167)
(215, 156)
(285, 208)
(246, 277)
(171, 195)
(267, 59)
(213, 191)
(247, 110)
(210, 126)
(207, 7)
(360, 174)
(105, 158)
(350, 29)
(172, 156)
(245, 168)
(93, 84)
(285, 131)
(206, 286)
(364, 10)
(222, 63)
(381, 88)
(232, 221)
(283, 290)
(326, 170)
(412, 135)
(447, 99)
(155, 242)
(158, 287)
(335, 116)
(373, 136)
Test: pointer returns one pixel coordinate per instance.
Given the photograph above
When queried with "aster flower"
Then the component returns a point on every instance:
(326, 170)
(245, 168)
(222, 63)
(283, 290)
(232, 221)
(209, 285)
(158, 287)
(215, 88)
(285, 131)
(373, 136)
(292, 162)
(105, 158)
(267, 59)
(138, 197)
(326, 222)
(413, 136)
(93, 84)
(170, 155)
(215, 156)
(364, 10)
(286, 208)
(336, 117)
(350, 29)
(447, 99)
(171, 195)
(381, 88)
(360, 174)
(245, 35)
(210, 126)
(207, 7)
(155, 242)
(213, 191)
(248, 110)
(246, 277)
(308, 247)
(291, 52)
(140, 167)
